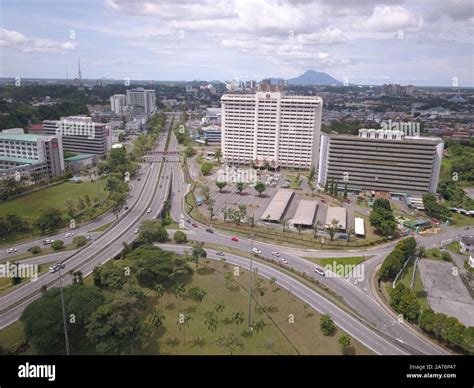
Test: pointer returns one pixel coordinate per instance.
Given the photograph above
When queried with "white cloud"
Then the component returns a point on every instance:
(391, 19)
(14, 39)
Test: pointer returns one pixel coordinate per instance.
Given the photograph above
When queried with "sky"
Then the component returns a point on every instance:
(419, 42)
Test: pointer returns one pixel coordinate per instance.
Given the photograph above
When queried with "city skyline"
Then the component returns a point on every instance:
(424, 43)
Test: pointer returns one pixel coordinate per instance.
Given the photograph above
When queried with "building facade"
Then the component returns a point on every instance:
(381, 160)
(25, 153)
(80, 134)
(271, 128)
(117, 102)
(142, 98)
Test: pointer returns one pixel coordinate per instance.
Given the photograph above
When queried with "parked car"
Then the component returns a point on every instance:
(235, 239)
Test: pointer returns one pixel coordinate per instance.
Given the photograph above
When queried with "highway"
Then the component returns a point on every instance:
(372, 325)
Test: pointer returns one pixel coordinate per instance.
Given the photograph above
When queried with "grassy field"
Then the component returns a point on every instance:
(418, 288)
(279, 336)
(454, 247)
(348, 263)
(462, 221)
(29, 205)
(433, 254)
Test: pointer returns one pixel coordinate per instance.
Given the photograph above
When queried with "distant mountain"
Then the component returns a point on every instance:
(311, 77)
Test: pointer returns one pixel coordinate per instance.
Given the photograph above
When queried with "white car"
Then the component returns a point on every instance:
(284, 261)
(255, 250)
(220, 253)
(182, 216)
(89, 238)
(319, 271)
(149, 210)
(69, 234)
(11, 250)
(276, 254)
(136, 231)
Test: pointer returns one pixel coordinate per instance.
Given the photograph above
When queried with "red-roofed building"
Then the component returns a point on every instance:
(36, 129)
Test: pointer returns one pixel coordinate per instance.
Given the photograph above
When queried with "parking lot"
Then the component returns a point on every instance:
(446, 292)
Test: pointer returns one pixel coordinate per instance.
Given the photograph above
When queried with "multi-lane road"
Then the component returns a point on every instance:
(371, 323)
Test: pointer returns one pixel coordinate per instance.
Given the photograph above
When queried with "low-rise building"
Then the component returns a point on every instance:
(466, 244)
(339, 214)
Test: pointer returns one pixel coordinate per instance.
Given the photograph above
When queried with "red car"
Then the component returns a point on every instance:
(195, 226)
(323, 201)
(235, 239)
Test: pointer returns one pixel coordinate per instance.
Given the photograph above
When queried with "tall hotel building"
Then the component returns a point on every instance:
(117, 102)
(382, 160)
(142, 98)
(271, 128)
(80, 134)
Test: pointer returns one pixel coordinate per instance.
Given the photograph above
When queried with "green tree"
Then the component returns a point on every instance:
(240, 186)
(79, 241)
(206, 168)
(333, 228)
(180, 237)
(198, 294)
(221, 184)
(231, 343)
(57, 244)
(157, 318)
(327, 325)
(211, 321)
(345, 341)
(49, 220)
(152, 231)
(260, 188)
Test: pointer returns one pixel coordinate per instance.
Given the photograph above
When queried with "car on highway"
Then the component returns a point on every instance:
(467, 228)
(256, 250)
(149, 210)
(11, 250)
(126, 207)
(233, 238)
(276, 254)
(188, 221)
(284, 261)
(89, 238)
(136, 231)
(47, 241)
(220, 253)
(319, 271)
(182, 216)
(209, 230)
(69, 234)
(56, 267)
(194, 225)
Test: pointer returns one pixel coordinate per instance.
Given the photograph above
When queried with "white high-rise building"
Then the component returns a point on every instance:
(271, 128)
(142, 98)
(117, 102)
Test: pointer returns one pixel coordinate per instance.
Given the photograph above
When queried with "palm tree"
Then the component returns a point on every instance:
(182, 322)
(199, 294)
(237, 319)
(211, 321)
(219, 306)
(159, 290)
(179, 290)
(157, 318)
(259, 325)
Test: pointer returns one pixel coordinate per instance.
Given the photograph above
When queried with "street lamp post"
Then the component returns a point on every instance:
(250, 281)
(66, 339)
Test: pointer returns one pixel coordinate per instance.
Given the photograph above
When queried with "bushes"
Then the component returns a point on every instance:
(327, 325)
(79, 241)
(206, 168)
(57, 244)
(180, 237)
(393, 263)
(404, 301)
(448, 329)
(35, 250)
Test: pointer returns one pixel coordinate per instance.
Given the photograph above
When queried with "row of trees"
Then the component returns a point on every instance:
(332, 189)
(434, 208)
(393, 263)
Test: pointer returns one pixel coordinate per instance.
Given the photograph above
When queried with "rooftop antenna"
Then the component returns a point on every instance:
(79, 74)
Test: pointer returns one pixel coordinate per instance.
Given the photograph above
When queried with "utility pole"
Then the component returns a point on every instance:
(250, 281)
(64, 312)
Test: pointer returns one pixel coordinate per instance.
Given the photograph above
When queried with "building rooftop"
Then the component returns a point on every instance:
(278, 205)
(338, 213)
(18, 160)
(21, 137)
(469, 240)
(305, 212)
(78, 157)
